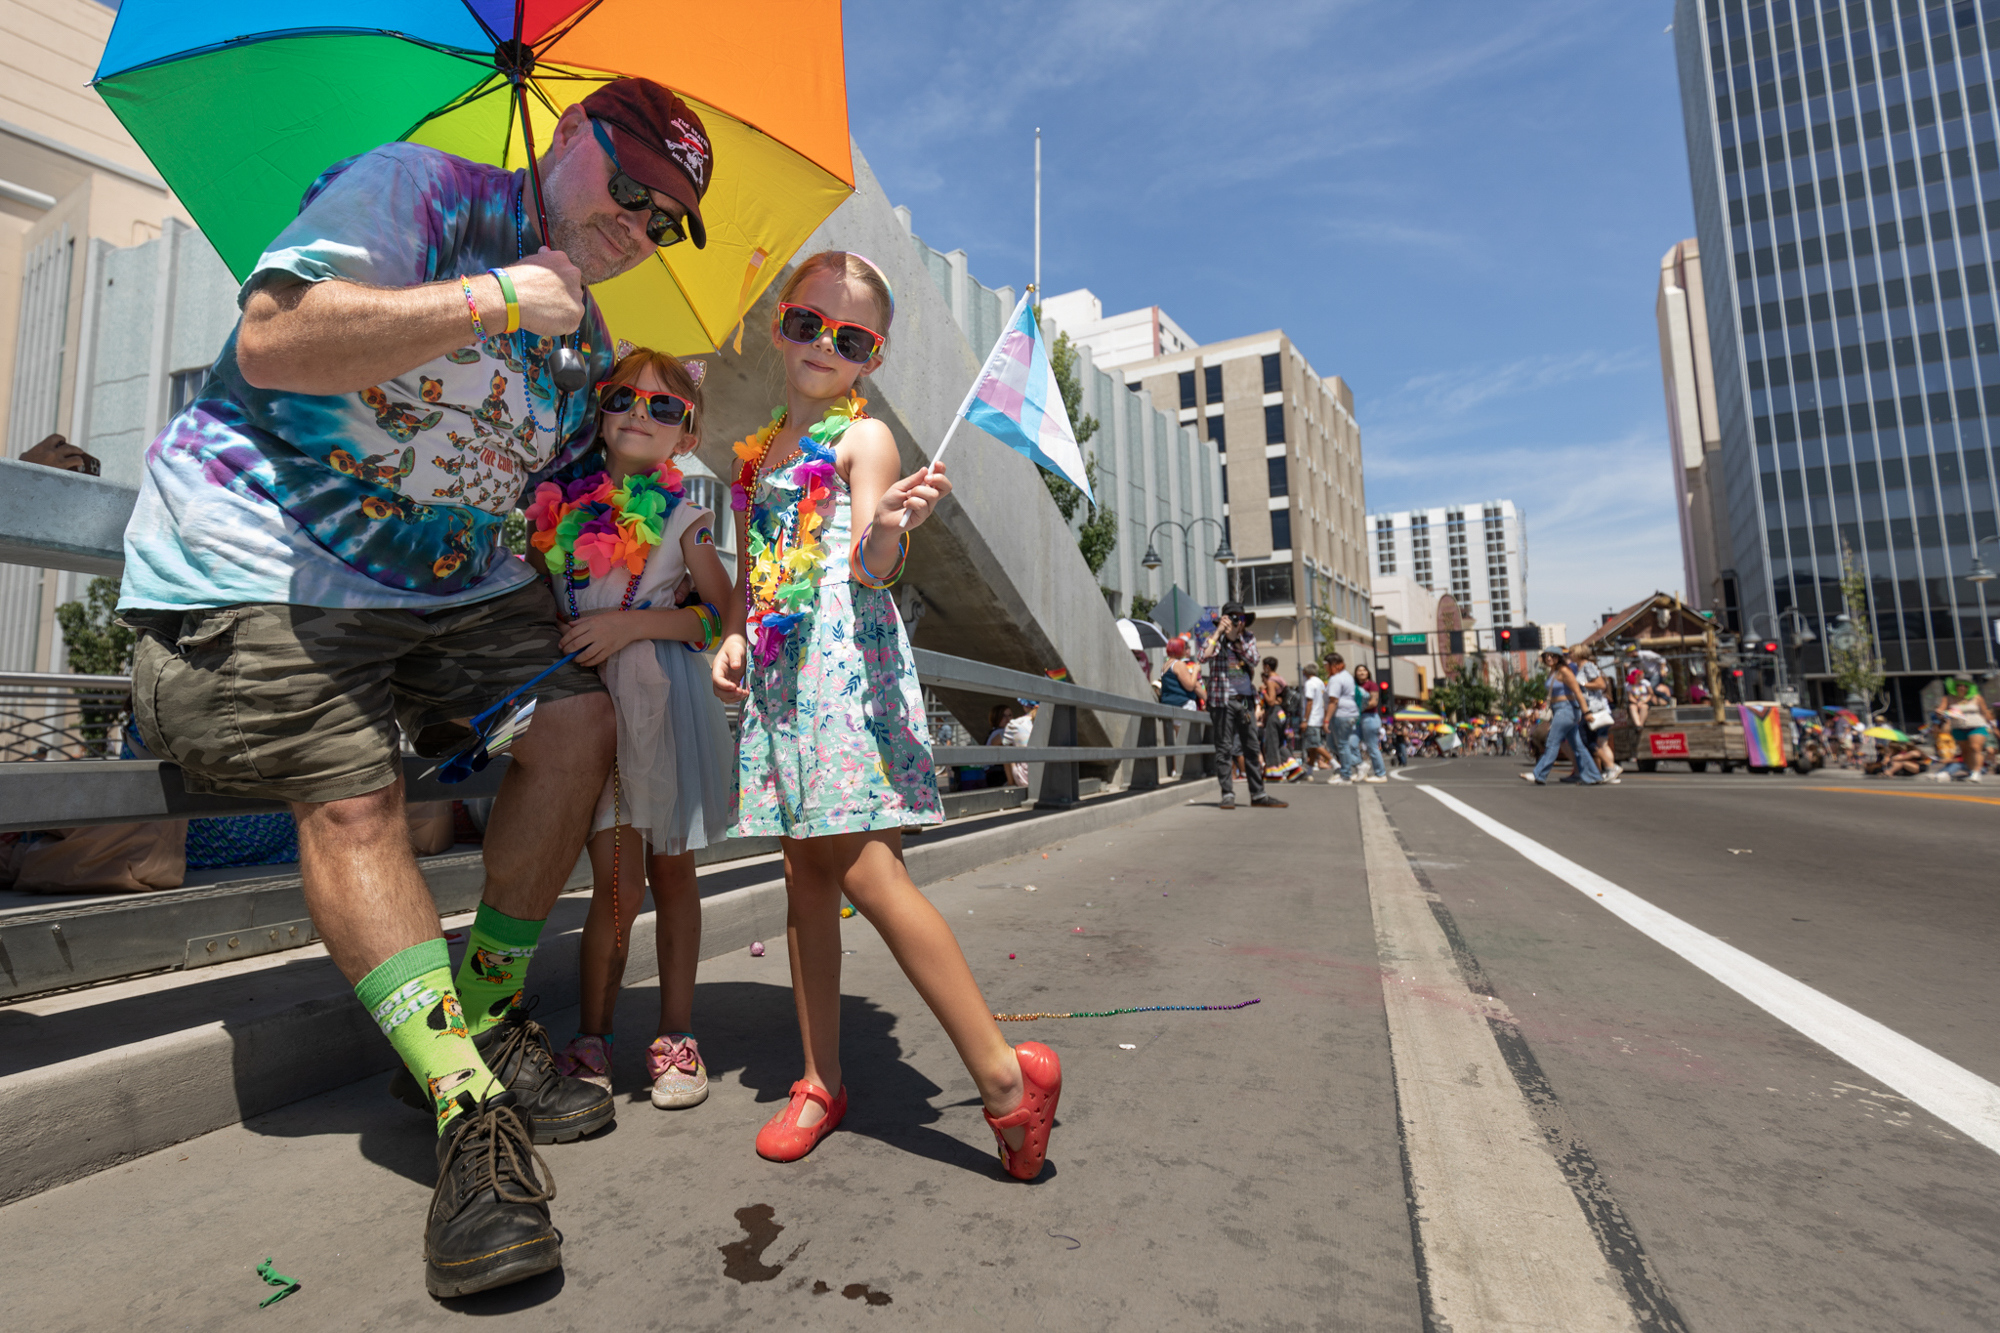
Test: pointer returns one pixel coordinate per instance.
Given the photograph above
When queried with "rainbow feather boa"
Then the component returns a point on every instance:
(595, 526)
(783, 572)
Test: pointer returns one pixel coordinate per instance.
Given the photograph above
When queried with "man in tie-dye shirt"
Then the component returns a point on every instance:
(315, 568)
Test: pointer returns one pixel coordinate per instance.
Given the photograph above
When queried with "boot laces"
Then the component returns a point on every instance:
(501, 1150)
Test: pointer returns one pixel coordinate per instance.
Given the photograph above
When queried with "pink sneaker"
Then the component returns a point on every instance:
(587, 1057)
(679, 1077)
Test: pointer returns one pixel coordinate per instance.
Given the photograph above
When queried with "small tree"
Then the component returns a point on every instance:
(1463, 691)
(1851, 654)
(1099, 534)
(97, 645)
(1142, 606)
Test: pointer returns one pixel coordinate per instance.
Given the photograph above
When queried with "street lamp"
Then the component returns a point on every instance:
(1979, 573)
(1223, 554)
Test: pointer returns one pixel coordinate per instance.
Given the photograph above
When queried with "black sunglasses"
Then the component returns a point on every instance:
(662, 227)
(666, 408)
(803, 324)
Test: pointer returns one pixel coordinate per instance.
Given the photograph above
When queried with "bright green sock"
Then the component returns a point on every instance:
(411, 998)
(496, 962)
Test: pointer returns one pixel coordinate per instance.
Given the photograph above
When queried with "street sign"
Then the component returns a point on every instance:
(1409, 645)
(1669, 745)
(1176, 613)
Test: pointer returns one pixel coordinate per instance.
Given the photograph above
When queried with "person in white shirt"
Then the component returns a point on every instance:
(1346, 716)
(1317, 755)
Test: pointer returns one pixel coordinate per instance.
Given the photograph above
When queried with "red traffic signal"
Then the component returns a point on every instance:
(1506, 635)
(1770, 647)
(1738, 672)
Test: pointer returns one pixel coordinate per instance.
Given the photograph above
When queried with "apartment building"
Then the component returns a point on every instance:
(1476, 553)
(1291, 481)
(69, 176)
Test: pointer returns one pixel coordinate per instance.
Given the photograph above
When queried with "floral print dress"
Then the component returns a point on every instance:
(833, 738)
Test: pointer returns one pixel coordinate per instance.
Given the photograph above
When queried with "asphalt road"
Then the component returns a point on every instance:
(1287, 1165)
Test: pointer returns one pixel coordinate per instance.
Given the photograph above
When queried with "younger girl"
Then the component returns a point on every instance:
(834, 750)
(618, 540)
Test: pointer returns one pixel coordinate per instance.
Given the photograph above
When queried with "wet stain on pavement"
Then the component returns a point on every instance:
(744, 1259)
(861, 1291)
(821, 1289)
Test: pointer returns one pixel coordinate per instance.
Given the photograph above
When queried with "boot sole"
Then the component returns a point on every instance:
(513, 1264)
(401, 1086)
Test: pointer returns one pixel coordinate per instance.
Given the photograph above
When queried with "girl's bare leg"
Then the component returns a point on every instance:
(677, 911)
(869, 868)
(602, 960)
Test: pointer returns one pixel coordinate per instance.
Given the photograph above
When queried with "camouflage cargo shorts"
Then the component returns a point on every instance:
(302, 703)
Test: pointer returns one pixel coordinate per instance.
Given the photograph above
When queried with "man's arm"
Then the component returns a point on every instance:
(336, 337)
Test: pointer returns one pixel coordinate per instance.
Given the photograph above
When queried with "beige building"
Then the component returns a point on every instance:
(69, 174)
(1292, 492)
(1694, 433)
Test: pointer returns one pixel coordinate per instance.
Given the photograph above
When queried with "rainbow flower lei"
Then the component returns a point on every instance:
(598, 526)
(786, 553)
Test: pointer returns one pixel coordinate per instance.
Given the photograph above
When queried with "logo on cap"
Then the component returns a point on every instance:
(690, 150)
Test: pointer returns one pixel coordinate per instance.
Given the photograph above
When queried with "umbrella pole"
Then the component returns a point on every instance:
(566, 367)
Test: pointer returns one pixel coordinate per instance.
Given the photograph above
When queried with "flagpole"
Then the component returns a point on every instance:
(1037, 288)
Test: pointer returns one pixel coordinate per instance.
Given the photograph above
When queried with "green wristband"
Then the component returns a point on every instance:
(507, 293)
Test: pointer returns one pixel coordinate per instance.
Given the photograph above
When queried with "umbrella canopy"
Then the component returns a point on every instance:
(241, 106)
(1141, 635)
(1806, 713)
(1417, 715)
(1886, 734)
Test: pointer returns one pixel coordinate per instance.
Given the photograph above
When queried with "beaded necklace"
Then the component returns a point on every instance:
(603, 525)
(784, 547)
(520, 341)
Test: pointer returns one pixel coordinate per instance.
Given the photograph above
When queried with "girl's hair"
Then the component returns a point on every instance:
(674, 376)
(848, 267)
(1361, 668)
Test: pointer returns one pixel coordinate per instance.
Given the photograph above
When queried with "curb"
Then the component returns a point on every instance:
(83, 1115)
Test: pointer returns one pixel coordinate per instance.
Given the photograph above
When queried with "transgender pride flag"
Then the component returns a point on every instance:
(1016, 400)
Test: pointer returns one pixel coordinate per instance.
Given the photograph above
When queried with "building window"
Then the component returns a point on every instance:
(1385, 546)
(1420, 550)
(1187, 388)
(1274, 424)
(182, 388)
(1262, 585)
(1281, 530)
(1212, 381)
(1278, 473)
(1225, 484)
(1215, 432)
(1274, 376)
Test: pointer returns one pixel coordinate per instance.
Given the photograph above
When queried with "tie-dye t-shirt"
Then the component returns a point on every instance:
(390, 497)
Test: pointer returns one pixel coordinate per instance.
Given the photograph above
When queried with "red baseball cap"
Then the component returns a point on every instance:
(661, 143)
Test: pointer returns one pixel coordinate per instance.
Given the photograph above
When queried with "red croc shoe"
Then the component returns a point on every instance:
(1041, 1073)
(782, 1140)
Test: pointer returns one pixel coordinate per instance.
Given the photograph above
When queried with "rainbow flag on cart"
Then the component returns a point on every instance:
(1017, 401)
(1763, 734)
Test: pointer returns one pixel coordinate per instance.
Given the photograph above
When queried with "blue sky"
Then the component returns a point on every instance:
(1459, 206)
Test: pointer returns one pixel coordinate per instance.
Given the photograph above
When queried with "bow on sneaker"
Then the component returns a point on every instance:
(518, 1051)
(489, 1220)
(680, 1079)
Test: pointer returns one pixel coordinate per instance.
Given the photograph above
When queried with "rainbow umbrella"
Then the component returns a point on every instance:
(1886, 734)
(241, 106)
(1417, 715)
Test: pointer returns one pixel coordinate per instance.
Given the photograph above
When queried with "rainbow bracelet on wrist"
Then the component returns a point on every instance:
(472, 304)
(711, 627)
(513, 301)
(858, 565)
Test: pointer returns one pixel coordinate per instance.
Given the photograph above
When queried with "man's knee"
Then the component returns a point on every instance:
(362, 818)
(582, 728)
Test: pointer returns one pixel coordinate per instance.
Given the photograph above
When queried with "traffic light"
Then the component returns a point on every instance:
(1506, 640)
(1771, 647)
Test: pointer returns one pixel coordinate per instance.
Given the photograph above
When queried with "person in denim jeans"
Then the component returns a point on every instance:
(1343, 715)
(1565, 724)
(1372, 701)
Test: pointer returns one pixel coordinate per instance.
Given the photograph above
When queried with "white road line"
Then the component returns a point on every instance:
(1504, 1245)
(1953, 1094)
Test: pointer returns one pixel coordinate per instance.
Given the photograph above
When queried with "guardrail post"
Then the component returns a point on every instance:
(1059, 784)
(1145, 773)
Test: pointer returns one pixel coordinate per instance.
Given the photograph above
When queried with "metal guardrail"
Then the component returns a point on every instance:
(47, 716)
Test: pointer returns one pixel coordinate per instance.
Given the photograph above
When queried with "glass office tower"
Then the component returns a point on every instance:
(1842, 154)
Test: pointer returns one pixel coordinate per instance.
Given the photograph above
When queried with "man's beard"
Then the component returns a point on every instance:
(596, 259)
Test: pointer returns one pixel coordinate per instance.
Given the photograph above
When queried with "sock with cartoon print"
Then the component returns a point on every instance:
(411, 998)
(496, 963)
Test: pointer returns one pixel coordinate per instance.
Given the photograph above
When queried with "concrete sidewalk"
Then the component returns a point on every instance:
(91, 1077)
(1230, 1169)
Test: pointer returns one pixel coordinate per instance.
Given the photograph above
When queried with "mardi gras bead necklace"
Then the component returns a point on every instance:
(784, 546)
(603, 525)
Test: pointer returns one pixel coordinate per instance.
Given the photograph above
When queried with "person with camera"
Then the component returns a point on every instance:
(1231, 659)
